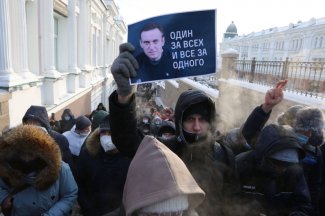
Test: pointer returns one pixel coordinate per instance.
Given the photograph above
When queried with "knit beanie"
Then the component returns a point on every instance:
(82, 122)
(104, 125)
(174, 204)
(201, 108)
(309, 118)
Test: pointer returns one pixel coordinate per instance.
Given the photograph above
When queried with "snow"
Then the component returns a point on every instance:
(214, 93)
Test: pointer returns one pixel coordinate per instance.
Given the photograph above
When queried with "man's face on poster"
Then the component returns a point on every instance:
(152, 42)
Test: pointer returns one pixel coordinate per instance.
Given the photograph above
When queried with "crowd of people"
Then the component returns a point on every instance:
(122, 161)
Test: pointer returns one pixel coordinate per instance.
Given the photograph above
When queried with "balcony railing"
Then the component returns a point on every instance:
(306, 78)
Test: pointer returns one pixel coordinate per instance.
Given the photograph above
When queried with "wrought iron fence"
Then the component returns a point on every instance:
(306, 78)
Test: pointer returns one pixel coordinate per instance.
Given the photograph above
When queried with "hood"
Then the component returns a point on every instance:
(274, 138)
(146, 185)
(187, 99)
(32, 140)
(166, 126)
(39, 114)
(93, 142)
(67, 112)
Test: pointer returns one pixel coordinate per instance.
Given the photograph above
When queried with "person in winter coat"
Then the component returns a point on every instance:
(67, 121)
(37, 115)
(166, 131)
(76, 137)
(33, 178)
(155, 125)
(270, 174)
(309, 126)
(211, 164)
(144, 125)
(159, 183)
(101, 173)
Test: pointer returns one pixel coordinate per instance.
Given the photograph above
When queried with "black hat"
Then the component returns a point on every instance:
(201, 108)
(82, 122)
(104, 124)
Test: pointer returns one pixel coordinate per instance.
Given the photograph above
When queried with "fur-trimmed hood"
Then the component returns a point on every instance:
(93, 143)
(34, 141)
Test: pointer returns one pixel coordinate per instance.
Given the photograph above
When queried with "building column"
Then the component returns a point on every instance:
(47, 39)
(83, 35)
(72, 37)
(7, 76)
(73, 78)
(20, 40)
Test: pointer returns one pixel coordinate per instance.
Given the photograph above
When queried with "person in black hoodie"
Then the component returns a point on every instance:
(308, 124)
(271, 176)
(37, 115)
(212, 164)
(67, 121)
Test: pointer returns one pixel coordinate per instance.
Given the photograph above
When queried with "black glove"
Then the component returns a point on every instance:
(124, 67)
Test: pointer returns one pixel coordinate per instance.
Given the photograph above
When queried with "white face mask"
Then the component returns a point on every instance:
(67, 118)
(106, 143)
(43, 128)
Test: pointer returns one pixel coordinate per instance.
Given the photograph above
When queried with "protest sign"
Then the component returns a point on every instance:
(174, 46)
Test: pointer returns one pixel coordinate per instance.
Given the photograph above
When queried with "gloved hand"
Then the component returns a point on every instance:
(124, 67)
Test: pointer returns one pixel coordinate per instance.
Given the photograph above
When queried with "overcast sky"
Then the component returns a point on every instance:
(248, 15)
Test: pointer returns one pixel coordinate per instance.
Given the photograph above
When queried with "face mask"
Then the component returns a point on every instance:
(67, 118)
(191, 138)
(30, 178)
(43, 128)
(106, 143)
(302, 139)
(84, 134)
(145, 121)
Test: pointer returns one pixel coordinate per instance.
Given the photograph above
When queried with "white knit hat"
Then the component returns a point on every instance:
(174, 204)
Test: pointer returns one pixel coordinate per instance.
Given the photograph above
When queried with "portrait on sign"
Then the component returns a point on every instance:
(174, 46)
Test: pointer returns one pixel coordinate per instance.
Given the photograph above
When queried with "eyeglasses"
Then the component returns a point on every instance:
(177, 213)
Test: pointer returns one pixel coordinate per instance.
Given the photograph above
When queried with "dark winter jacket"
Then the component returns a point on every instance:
(39, 114)
(66, 125)
(275, 194)
(211, 164)
(100, 177)
(313, 172)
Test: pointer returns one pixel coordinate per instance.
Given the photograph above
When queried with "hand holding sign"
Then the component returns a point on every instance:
(274, 96)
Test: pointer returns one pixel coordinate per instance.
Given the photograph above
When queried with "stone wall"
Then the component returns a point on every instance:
(235, 103)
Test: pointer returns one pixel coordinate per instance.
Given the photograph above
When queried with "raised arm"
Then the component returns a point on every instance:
(259, 116)
(122, 104)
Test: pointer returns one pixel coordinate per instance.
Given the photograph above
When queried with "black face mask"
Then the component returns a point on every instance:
(193, 137)
(27, 166)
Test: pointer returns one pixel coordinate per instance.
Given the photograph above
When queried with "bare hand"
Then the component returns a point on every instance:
(274, 96)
